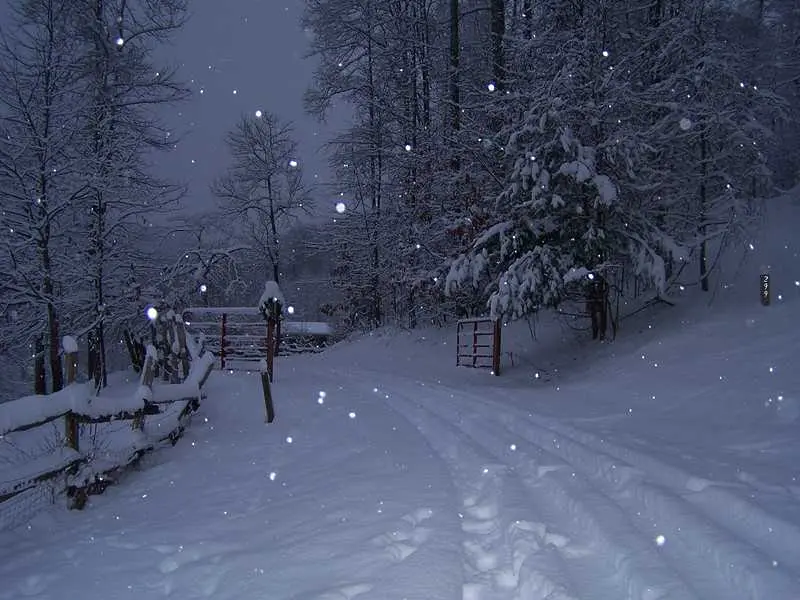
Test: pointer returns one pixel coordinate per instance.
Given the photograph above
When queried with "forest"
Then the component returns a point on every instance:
(501, 153)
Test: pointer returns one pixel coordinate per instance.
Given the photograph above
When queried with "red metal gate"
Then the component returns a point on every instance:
(479, 344)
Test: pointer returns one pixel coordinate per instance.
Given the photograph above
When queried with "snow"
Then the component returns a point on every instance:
(662, 465)
(272, 291)
(307, 328)
(70, 344)
(37, 408)
(53, 461)
(218, 310)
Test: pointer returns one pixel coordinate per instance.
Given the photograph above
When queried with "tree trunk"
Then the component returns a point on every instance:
(39, 375)
(44, 232)
(102, 136)
(273, 224)
(527, 19)
(455, 89)
(702, 227)
(498, 32)
(56, 368)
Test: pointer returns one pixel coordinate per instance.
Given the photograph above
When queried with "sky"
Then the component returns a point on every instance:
(239, 56)
(664, 465)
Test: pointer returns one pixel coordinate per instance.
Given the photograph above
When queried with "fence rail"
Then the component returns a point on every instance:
(239, 335)
(77, 405)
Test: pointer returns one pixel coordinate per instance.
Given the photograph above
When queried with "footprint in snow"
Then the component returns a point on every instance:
(183, 555)
(347, 592)
(34, 585)
(408, 537)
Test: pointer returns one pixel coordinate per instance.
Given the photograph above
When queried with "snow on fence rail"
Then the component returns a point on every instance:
(167, 405)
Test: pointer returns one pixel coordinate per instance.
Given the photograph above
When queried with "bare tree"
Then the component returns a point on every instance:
(39, 113)
(263, 187)
(120, 128)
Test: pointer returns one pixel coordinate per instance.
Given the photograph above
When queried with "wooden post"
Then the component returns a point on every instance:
(458, 344)
(70, 422)
(165, 348)
(765, 295)
(148, 374)
(474, 344)
(71, 366)
(183, 355)
(174, 355)
(268, 406)
(39, 374)
(270, 346)
(222, 342)
(496, 347)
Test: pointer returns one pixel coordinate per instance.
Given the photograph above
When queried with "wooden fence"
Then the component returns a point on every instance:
(77, 405)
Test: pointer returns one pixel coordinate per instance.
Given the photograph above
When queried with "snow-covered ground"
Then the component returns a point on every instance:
(663, 465)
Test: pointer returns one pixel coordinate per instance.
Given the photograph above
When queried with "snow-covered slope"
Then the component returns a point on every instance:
(662, 465)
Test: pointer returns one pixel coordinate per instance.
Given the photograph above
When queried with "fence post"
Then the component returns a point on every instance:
(496, 347)
(459, 329)
(71, 366)
(70, 422)
(268, 405)
(148, 374)
(183, 355)
(39, 373)
(222, 342)
(765, 296)
(474, 344)
(270, 346)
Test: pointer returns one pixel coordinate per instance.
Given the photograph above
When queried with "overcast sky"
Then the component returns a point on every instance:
(240, 56)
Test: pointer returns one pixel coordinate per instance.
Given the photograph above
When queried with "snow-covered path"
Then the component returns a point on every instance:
(383, 487)
(553, 512)
(320, 504)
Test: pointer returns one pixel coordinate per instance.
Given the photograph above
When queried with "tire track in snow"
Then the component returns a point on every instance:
(505, 556)
(722, 552)
(609, 543)
(768, 533)
(508, 557)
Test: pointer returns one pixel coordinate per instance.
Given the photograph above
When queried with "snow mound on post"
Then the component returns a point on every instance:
(271, 292)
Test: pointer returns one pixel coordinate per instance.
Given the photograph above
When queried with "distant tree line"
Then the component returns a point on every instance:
(503, 158)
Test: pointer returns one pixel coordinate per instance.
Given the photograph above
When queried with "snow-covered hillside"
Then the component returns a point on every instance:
(662, 465)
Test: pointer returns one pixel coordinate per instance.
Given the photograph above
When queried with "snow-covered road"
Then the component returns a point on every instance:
(384, 487)
(549, 511)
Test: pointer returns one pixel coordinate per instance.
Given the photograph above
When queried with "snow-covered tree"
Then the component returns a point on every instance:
(120, 130)
(560, 220)
(39, 113)
(79, 124)
(658, 99)
(629, 144)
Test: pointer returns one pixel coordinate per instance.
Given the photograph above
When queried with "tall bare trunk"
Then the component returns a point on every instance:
(455, 87)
